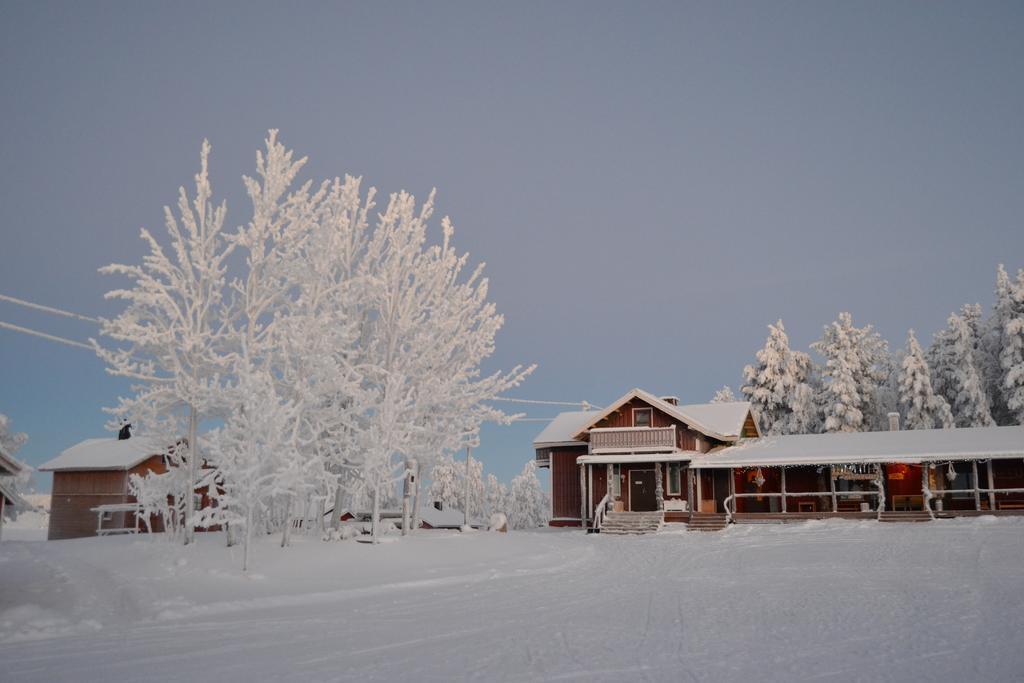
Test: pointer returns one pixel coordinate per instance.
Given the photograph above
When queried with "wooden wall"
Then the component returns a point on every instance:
(565, 482)
(76, 492)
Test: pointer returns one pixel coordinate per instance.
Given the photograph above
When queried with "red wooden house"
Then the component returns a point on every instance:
(646, 460)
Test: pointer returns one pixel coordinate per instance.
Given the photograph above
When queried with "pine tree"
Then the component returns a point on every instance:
(1010, 307)
(922, 407)
(528, 508)
(857, 366)
(724, 395)
(954, 375)
(772, 385)
(446, 483)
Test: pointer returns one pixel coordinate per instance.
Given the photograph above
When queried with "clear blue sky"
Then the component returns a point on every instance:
(650, 184)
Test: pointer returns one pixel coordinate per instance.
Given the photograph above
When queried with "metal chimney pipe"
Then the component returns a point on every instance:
(894, 422)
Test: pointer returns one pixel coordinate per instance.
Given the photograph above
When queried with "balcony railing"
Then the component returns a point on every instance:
(641, 439)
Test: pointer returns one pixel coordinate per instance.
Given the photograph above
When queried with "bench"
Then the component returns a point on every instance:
(673, 505)
(105, 513)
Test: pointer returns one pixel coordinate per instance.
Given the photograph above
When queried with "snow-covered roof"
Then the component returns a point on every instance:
(565, 427)
(444, 518)
(723, 421)
(909, 446)
(105, 454)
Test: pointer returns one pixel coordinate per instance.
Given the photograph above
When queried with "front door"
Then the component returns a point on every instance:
(641, 491)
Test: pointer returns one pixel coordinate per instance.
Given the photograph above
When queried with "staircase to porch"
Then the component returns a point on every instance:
(707, 521)
(912, 516)
(632, 522)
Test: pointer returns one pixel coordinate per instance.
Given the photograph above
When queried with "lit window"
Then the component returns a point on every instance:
(641, 417)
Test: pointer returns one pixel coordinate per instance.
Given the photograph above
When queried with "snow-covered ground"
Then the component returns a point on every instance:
(834, 600)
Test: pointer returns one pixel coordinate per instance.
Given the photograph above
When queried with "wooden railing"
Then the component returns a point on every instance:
(629, 438)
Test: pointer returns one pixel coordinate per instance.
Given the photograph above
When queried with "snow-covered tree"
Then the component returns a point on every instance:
(857, 366)
(1009, 317)
(496, 497)
(724, 395)
(170, 329)
(446, 483)
(774, 385)
(528, 507)
(954, 374)
(922, 407)
(10, 442)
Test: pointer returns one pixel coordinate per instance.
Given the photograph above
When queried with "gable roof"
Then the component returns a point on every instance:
(910, 446)
(105, 454)
(722, 421)
(564, 428)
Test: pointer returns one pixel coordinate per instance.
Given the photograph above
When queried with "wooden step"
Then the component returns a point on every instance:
(913, 516)
(707, 521)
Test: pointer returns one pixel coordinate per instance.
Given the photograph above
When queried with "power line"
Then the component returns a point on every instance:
(35, 333)
(585, 404)
(47, 309)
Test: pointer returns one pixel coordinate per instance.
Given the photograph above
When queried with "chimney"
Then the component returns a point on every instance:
(894, 422)
(673, 400)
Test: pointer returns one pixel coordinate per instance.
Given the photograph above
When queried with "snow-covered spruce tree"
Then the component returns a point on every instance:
(171, 329)
(922, 408)
(857, 366)
(724, 395)
(446, 483)
(773, 385)
(954, 375)
(1009, 314)
(528, 507)
(496, 497)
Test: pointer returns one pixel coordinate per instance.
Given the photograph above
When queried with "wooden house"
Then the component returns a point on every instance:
(95, 472)
(10, 501)
(645, 460)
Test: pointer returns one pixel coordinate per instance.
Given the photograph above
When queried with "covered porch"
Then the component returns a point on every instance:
(636, 483)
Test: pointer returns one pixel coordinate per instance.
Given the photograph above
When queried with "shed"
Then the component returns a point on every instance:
(95, 472)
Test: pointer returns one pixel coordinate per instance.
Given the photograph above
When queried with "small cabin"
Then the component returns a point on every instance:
(96, 472)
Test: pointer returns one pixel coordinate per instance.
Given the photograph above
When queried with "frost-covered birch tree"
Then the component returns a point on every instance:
(922, 407)
(169, 334)
(446, 483)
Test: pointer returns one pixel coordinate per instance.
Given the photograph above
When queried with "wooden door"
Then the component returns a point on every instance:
(641, 491)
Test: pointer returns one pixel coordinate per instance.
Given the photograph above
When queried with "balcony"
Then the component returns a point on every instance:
(633, 440)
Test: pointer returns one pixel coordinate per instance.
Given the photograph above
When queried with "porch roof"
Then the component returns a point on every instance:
(674, 456)
(909, 446)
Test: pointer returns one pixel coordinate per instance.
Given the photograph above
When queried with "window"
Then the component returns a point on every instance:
(641, 417)
(675, 479)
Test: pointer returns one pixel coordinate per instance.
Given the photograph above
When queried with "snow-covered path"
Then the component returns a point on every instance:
(834, 601)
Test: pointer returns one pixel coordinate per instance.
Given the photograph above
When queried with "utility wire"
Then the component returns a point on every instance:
(586, 404)
(62, 340)
(47, 309)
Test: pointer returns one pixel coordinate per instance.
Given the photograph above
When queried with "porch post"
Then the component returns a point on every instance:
(991, 485)
(783, 488)
(832, 487)
(689, 487)
(583, 495)
(590, 491)
(609, 473)
(977, 493)
(659, 489)
(697, 476)
(732, 487)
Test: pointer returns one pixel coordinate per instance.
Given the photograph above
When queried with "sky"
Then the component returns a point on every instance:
(650, 184)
